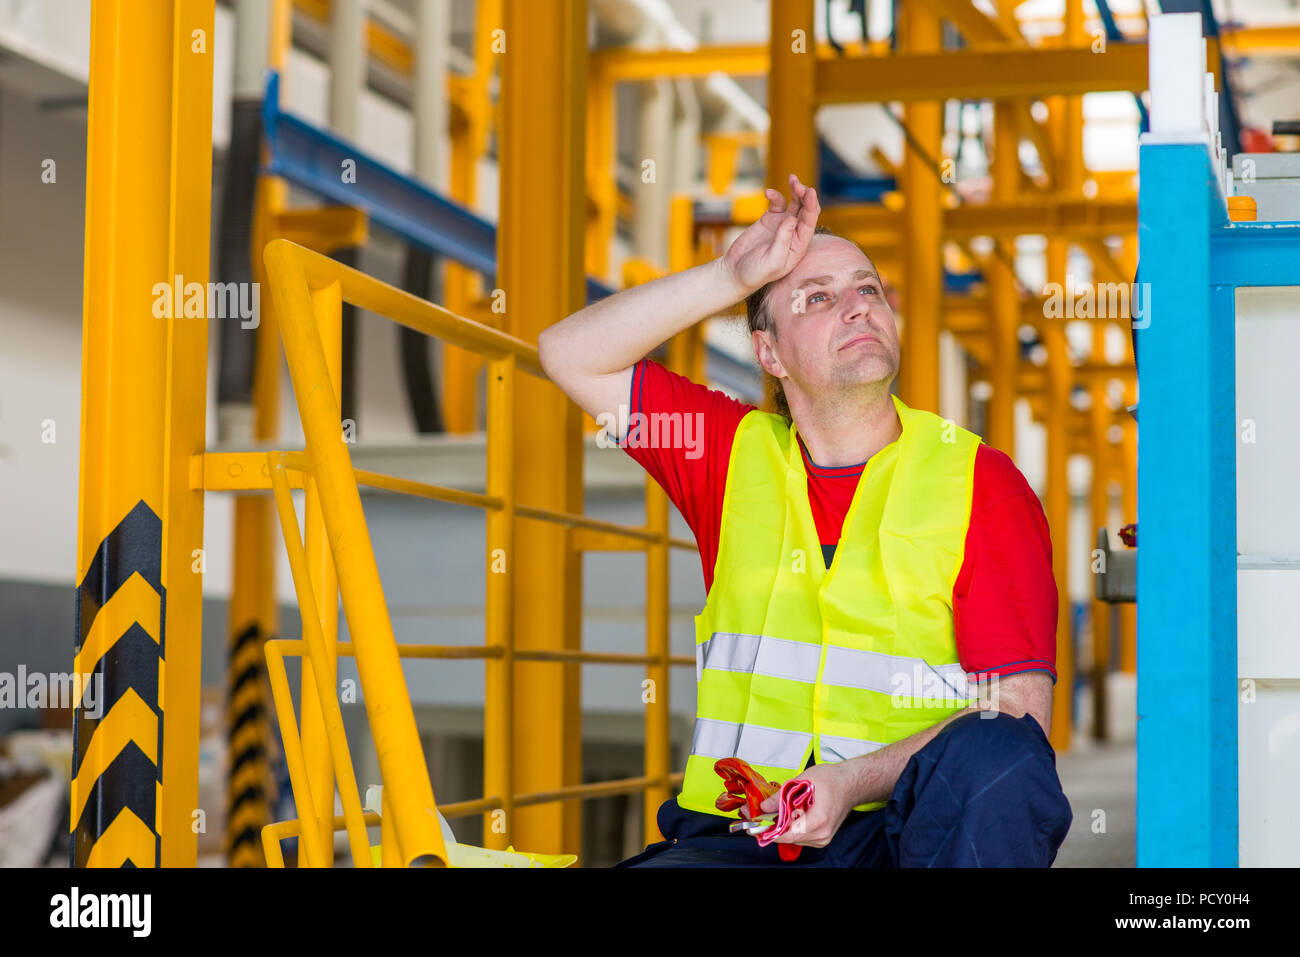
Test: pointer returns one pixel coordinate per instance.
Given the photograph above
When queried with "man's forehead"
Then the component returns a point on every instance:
(833, 260)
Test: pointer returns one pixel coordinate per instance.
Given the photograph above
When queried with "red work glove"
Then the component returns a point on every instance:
(744, 786)
(746, 789)
(796, 795)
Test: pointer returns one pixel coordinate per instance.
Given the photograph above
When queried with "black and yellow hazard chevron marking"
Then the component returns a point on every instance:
(117, 728)
(248, 808)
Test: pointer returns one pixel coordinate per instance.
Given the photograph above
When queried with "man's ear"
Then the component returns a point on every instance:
(765, 353)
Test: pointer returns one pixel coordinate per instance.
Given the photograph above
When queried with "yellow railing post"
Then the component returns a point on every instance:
(658, 745)
(390, 854)
(499, 696)
(397, 740)
(326, 305)
(321, 664)
(307, 288)
(316, 853)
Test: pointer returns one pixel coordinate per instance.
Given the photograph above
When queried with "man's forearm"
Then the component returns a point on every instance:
(874, 775)
(621, 329)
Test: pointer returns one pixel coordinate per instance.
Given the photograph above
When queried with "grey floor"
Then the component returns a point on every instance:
(1101, 783)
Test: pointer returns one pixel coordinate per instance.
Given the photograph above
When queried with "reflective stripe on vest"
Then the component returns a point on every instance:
(847, 667)
(794, 659)
(768, 746)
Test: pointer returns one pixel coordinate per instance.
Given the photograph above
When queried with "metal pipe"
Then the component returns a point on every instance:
(316, 846)
(322, 665)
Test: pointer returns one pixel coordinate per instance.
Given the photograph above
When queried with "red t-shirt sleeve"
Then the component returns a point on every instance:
(1004, 599)
(681, 433)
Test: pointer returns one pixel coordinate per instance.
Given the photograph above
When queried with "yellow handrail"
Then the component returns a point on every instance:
(309, 289)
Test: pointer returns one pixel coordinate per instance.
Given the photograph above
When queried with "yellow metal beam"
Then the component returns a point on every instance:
(982, 73)
(974, 25)
(1262, 41)
(622, 65)
(1062, 216)
(1073, 218)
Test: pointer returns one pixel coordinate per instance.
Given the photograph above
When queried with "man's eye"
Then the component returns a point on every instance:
(813, 297)
(872, 288)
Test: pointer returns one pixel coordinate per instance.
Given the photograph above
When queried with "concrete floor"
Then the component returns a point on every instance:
(1101, 784)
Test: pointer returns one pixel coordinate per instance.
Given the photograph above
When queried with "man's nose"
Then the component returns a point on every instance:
(857, 309)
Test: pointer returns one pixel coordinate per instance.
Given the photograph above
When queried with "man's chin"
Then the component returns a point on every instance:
(872, 371)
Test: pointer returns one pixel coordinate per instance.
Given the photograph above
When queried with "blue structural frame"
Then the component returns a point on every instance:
(313, 158)
(1193, 260)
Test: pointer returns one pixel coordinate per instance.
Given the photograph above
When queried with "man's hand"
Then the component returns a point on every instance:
(832, 801)
(769, 248)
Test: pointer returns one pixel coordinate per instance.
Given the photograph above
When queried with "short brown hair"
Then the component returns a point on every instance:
(758, 309)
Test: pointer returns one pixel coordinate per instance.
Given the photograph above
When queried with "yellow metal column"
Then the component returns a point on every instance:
(144, 378)
(792, 96)
(602, 175)
(460, 367)
(1128, 456)
(543, 89)
(1072, 188)
(1004, 297)
(254, 614)
(1099, 419)
(918, 383)
(1058, 421)
(682, 352)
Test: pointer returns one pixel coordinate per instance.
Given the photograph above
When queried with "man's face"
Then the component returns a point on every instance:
(834, 328)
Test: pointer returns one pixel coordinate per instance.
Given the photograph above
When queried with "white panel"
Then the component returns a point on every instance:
(1268, 408)
(1268, 775)
(1268, 645)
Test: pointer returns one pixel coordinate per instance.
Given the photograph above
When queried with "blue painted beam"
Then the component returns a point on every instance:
(1256, 254)
(1187, 559)
(313, 158)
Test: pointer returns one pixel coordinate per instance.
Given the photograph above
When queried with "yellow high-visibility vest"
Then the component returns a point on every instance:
(793, 658)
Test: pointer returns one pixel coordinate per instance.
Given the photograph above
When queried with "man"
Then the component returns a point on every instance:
(881, 610)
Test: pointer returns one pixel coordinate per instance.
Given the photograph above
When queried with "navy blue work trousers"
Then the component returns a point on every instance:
(983, 792)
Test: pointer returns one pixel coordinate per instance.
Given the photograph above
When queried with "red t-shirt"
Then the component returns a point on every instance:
(1004, 599)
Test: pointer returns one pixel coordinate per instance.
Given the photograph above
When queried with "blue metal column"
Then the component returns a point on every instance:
(1187, 556)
